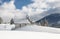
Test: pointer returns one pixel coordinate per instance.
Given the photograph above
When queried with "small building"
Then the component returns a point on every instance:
(21, 22)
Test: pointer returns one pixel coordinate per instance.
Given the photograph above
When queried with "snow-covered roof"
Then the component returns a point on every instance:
(19, 15)
(19, 21)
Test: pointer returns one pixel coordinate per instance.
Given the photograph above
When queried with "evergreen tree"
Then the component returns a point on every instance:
(1, 20)
(44, 22)
(41, 23)
(12, 21)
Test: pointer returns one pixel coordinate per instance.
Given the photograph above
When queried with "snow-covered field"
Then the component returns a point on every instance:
(39, 29)
(34, 28)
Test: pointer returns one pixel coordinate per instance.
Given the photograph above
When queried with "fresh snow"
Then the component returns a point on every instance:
(6, 26)
(35, 28)
(39, 29)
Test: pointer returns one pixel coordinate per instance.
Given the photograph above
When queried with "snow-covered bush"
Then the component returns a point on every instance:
(6, 26)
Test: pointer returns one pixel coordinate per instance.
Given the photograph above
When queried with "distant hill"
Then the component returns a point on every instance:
(53, 20)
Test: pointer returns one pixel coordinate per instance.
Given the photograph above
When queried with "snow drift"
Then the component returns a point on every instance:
(39, 29)
(6, 26)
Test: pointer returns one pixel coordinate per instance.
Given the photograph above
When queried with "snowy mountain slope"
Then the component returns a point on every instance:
(37, 17)
(39, 29)
(52, 19)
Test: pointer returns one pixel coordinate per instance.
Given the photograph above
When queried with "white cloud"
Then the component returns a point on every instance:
(39, 6)
(8, 11)
(52, 0)
(53, 3)
(35, 8)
